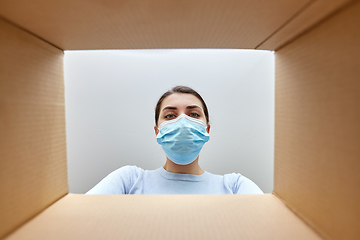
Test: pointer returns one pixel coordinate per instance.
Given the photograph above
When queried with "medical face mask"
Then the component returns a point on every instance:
(182, 138)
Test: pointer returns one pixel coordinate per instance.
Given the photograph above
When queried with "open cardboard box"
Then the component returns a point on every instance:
(317, 118)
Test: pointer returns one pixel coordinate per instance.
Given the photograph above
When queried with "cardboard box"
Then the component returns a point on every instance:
(317, 118)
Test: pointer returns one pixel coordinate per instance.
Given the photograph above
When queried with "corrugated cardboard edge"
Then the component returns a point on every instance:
(311, 15)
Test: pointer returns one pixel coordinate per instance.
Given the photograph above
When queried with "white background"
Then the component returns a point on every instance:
(110, 99)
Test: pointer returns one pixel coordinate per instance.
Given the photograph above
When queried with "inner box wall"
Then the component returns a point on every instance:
(33, 167)
(317, 130)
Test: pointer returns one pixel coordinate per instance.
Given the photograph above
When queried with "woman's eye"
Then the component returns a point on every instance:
(169, 116)
(194, 115)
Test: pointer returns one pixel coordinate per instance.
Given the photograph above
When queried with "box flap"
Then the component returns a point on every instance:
(307, 17)
(33, 170)
(317, 127)
(166, 217)
(128, 24)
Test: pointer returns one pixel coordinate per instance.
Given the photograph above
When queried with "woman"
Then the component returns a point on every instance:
(182, 128)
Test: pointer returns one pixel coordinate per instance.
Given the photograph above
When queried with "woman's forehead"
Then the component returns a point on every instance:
(181, 100)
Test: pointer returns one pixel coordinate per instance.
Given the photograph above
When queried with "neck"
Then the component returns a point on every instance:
(192, 168)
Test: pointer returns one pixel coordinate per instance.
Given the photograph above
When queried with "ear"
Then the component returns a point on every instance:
(156, 130)
(208, 128)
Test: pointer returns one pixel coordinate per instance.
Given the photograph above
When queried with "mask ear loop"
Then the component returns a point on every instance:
(157, 130)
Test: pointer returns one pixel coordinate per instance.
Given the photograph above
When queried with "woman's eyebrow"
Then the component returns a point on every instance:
(193, 106)
(175, 108)
(169, 107)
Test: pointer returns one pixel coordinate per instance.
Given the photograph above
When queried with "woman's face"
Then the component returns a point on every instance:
(181, 103)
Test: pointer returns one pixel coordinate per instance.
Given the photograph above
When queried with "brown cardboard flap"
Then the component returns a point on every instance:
(128, 24)
(317, 127)
(314, 12)
(33, 171)
(166, 217)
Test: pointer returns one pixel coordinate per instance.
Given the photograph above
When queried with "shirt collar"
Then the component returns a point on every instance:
(182, 177)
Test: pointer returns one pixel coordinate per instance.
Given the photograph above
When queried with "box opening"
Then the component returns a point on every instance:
(110, 98)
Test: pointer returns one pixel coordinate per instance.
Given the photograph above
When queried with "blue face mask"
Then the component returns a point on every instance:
(182, 138)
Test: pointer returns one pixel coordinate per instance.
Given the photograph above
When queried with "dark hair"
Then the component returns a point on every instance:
(180, 89)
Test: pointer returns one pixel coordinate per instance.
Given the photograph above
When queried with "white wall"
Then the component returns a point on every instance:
(111, 96)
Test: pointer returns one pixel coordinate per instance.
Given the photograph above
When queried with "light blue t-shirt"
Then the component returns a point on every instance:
(135, 180)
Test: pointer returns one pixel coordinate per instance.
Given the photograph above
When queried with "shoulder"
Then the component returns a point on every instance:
(241, 184)
(118, 181)
(129, 171)
(127, 174)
